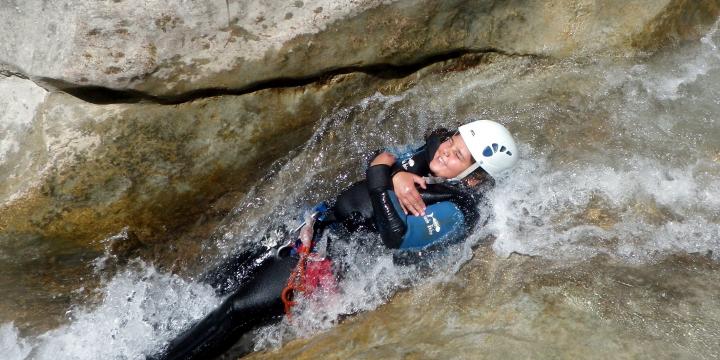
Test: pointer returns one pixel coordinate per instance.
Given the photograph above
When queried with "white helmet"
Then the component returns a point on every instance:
(491, 145)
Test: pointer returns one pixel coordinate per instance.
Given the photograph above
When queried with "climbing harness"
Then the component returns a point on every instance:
(312, 270)
(296, 281)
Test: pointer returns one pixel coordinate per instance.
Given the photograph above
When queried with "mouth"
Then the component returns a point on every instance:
(441, 160)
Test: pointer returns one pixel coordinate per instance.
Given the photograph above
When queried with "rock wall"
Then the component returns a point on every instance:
(85, 171)
(171, 49)
(76, 171)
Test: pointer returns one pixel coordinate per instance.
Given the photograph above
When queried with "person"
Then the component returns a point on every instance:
(418, 201)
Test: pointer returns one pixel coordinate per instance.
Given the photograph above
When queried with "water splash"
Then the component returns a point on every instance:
(620, 157)
(371, 279)
(668, 84)
(140, 309)
(12, 346)
(638, 213)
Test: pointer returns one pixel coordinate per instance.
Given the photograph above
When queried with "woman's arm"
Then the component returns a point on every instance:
(404, 178)
(389, 223)
(442, 220)
(384, 158)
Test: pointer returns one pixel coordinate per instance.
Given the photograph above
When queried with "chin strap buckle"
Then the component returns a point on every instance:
(439, 180)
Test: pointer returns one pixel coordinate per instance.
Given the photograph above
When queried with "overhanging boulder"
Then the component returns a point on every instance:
(171, 50)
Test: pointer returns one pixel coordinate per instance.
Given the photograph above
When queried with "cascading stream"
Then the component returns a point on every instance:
(620, 160)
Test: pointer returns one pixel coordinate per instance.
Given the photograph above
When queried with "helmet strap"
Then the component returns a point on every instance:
(434, 180)
(440, 180)
(467, 172)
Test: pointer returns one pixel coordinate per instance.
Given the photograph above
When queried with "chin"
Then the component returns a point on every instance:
(434, 169)
(438, 172)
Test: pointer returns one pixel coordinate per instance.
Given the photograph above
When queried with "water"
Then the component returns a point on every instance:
(619, 176)
(139, 308)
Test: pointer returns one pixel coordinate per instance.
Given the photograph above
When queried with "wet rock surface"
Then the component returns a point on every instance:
(79, 172)
(155, 181)
(248, 82)
(173, 50)
(499, 308)
(91, 170)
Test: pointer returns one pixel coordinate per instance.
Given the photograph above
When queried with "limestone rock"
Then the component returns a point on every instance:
(19, 100)
(80, 172)
(123, 244)
(169, 49)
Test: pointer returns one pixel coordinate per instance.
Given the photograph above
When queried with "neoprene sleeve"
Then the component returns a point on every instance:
(443, 219)
(390, 225)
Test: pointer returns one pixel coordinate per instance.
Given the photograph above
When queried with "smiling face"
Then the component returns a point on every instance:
(451, 158)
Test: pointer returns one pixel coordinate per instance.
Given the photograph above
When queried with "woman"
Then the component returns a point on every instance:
(449, 170)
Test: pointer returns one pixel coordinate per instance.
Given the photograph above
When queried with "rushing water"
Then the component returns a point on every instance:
(620, 161)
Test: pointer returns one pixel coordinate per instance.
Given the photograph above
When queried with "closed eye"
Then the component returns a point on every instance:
(457, 153)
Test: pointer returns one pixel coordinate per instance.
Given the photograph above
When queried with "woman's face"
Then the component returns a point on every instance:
(451, 158)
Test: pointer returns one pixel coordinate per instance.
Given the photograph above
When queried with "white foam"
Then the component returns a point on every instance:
(668, 84)
(12, 347)
(140, 309)
(633, 207)
(637, 212)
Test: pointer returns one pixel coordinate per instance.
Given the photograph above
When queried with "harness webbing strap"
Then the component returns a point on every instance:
(296, 281)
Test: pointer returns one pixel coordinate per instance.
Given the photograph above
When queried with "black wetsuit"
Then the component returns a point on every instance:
(254, 303)
(255, 297)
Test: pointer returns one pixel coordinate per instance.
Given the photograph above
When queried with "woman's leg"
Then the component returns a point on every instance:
(229, 275)
(256, 302)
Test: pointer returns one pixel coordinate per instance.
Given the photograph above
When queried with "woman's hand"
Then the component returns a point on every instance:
(409, 197)
(385, 158)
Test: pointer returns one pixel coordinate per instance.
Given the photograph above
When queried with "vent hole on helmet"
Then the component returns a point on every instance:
(502, 149)
(487, 152)
(495, 147)
(509, 153)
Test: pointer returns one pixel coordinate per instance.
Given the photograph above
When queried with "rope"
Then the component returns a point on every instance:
(296, 281)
